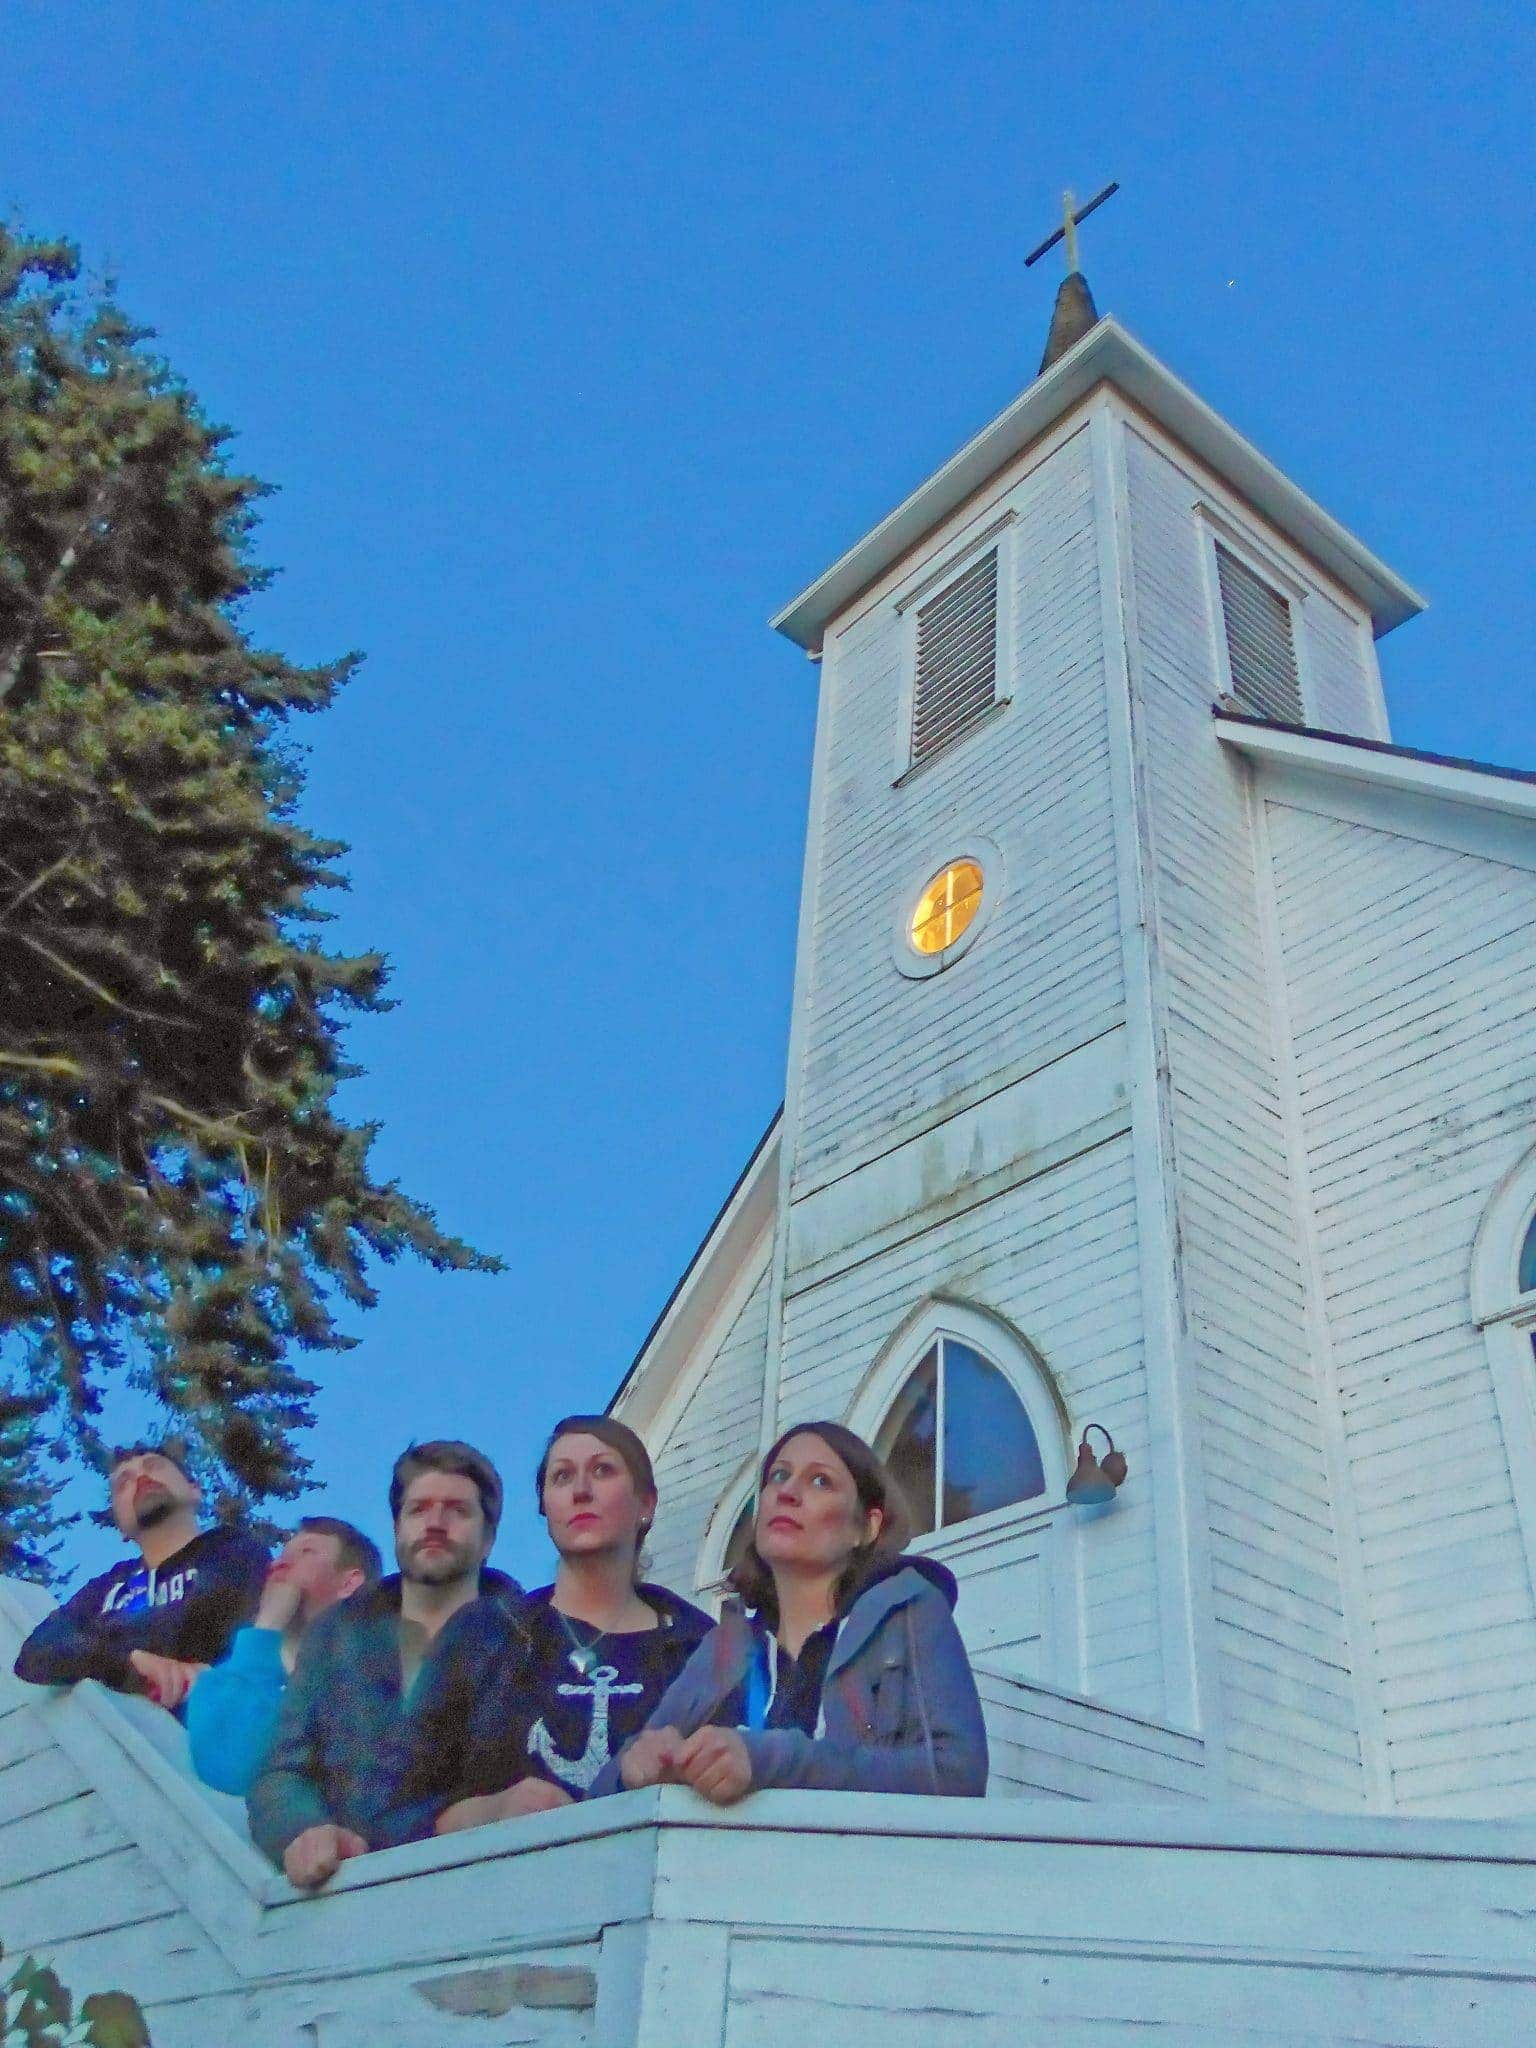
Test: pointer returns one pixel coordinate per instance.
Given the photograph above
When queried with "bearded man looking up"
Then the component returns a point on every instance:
(328, 1788)
(159, 1617)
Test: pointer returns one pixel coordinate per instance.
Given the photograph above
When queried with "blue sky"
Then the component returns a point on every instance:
(578, 339)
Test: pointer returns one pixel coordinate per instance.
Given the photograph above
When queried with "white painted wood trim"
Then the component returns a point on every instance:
(799, 1031)
(709, 1567)
(1481, 834)
(724, 1271)
(1370, 1721)
(962, 845)
(1370, 667)
(1106, 353)
(1508, 1323)
(672, 1378)
(892, 1138)
(911, 602)
(968, 519)
(1271, 549)
(1497, 1245)
(1192, 1694)
(1457, 785)
(1264, 1828)
(1212, 527)
(1513, 1369)
(1009, 1349)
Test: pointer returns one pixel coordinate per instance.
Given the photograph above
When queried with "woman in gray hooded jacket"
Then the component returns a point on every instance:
(842, 1669)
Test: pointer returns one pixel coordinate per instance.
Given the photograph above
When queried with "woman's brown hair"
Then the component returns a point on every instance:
(752, 1579)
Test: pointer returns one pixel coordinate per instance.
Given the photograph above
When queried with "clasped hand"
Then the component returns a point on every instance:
(527, 1795)
(713, 1762)
(166, 1680)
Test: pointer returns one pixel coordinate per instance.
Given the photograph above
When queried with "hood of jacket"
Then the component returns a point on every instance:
(897, 1583)
(939, 1576)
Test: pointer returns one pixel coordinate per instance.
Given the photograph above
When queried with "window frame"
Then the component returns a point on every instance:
(709, 1563)
(1506, 1317)
(1044, 1520)
(972, 846)
(1214, 530)
(1016, 1508)
(1022, 1368)
(909, 602)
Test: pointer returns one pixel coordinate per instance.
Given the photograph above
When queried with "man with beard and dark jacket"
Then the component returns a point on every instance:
(157, 1619)
(329, 1788)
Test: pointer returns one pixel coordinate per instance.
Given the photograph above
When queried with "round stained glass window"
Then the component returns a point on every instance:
(946, 907)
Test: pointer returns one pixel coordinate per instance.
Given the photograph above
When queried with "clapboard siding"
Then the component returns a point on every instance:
(1412, 984)
(1340, 675)
(76, 1890)
(703, 1449)
(1046, 1743)
(1287, 1685)
(878, 1048)
(1056, 1256)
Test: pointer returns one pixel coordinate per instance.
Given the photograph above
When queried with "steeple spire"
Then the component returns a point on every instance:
(1074, 312)
(1071, 317)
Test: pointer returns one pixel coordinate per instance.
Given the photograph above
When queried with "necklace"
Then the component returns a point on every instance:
(583, 1654)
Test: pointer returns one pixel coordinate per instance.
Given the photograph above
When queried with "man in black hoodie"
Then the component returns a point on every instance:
(331, 1785)
(153, 1622)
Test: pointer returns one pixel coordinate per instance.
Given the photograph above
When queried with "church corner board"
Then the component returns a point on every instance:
(1160, 1060)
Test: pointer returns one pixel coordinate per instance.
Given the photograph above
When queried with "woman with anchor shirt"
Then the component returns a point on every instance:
(529, 1715)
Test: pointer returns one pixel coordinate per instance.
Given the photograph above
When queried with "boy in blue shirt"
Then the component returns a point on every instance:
(232, 1710)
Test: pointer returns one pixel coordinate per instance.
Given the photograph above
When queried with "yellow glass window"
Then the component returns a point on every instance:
(946, 907)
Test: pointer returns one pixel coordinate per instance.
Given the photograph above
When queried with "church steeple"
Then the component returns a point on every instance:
(1074, 312)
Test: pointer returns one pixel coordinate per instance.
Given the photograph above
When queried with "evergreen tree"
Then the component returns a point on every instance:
(180, 1200)
(27, 1520)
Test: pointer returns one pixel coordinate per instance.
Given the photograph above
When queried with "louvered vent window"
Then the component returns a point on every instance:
(956, 659)
(1261, 642)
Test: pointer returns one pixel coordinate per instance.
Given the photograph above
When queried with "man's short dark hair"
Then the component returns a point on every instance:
(172, 1448)
(447, 1454)
(355, 1552)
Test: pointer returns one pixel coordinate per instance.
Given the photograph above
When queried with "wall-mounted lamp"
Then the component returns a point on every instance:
(1096, 1479)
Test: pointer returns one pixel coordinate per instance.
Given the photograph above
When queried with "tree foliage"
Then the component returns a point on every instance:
(36, 2011)
(181, 1199)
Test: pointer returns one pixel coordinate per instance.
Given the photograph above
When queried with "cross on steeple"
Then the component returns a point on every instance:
(1072, 215)
(1074, 312)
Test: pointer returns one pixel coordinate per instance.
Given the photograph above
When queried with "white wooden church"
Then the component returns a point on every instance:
(1162, 1060)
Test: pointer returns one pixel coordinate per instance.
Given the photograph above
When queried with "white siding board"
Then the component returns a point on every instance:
(705, 1446)
(1339, 667)
(37, 1783)
(77, 1829)
(1056, 1256)
(1286, 1665)
(1413, 982)
(879, 1048)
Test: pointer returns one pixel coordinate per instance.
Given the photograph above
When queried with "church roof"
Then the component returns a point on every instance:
(1107, 353)
(739, 1223)
(1410, 769)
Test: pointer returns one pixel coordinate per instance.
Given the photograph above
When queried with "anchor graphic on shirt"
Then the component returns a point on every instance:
(582, 1770)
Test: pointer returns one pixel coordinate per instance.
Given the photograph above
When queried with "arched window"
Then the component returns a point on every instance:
(1503, 1298)
(726, 1537)
(959, 1440)
(1525, 1280)
(740, 1536)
